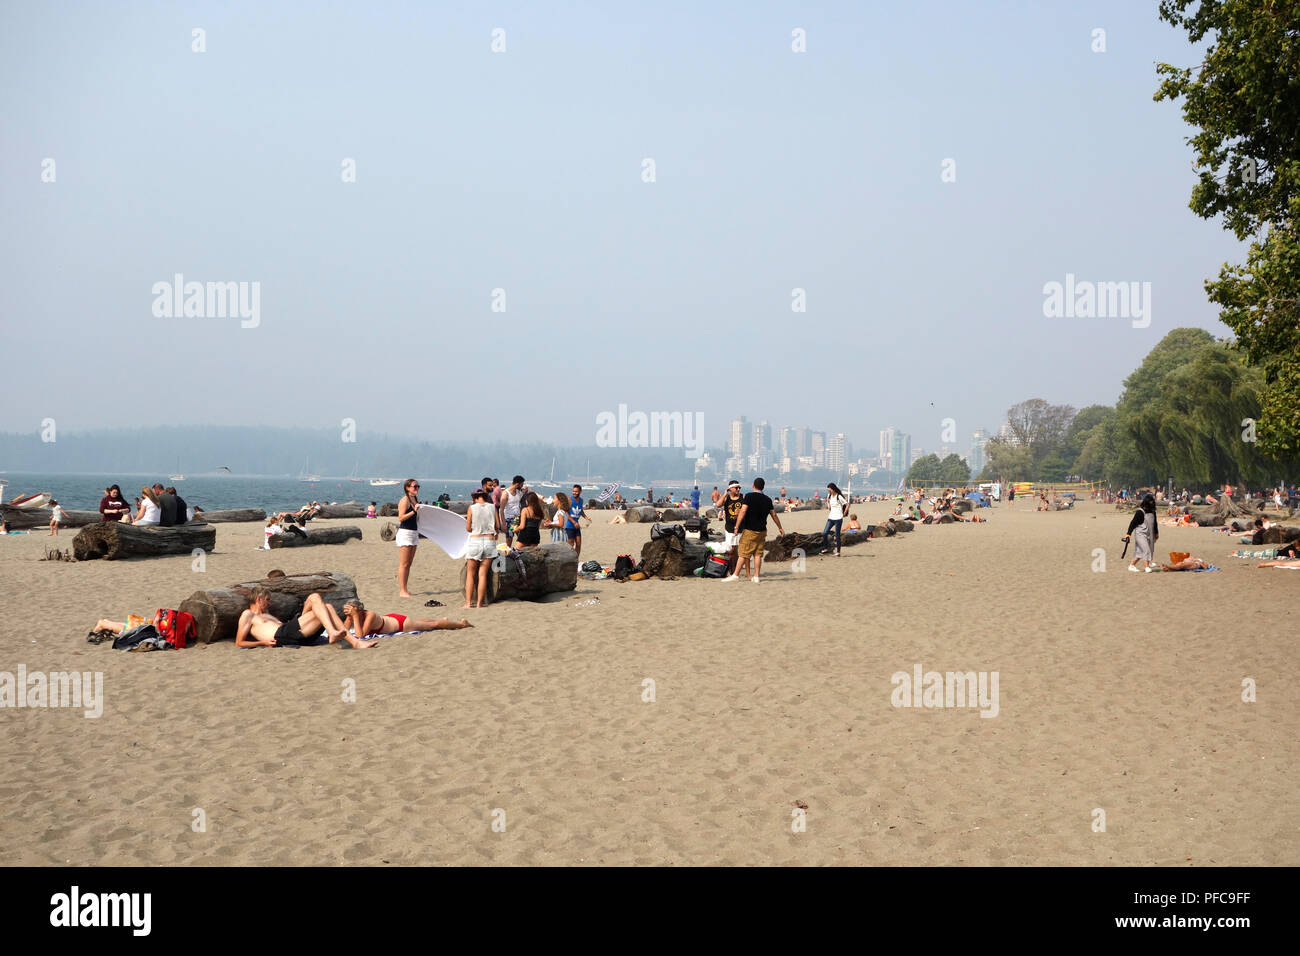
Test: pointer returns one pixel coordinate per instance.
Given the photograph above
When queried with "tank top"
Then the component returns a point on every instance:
(411, 523)
(482, 519)
(514, 503)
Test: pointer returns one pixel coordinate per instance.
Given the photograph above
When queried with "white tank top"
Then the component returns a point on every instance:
(514, 504)
(482, 518)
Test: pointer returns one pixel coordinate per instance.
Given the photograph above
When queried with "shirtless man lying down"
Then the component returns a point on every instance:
(259, 628)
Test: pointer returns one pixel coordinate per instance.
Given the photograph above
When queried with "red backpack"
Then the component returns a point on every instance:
(175, 627)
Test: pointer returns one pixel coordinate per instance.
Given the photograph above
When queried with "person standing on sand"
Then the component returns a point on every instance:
(511, 502)
(408, 533)
(1148, 532)
(836, 501)
(560, 520)
(483, 522)
(716, 496)
(577, 511)
(755, 509)
(695, 497)
(56, 518)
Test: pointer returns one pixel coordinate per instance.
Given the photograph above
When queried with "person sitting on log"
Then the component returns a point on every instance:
(853, 525)
(150, 513)
(258, 627)
(363, 623)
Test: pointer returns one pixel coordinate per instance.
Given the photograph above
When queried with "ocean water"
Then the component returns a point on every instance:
(279, 493)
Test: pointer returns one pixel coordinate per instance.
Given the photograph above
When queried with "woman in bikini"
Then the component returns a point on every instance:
(363, 623)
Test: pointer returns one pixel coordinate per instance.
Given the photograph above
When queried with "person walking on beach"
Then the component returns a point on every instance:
(755, 509)
(836, 501)
(483, 522)
(408, 533)
(577, 511)
(1147, 533)
(113, 506)
(511, 503)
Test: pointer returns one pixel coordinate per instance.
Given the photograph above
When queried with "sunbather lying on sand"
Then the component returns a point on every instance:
(259, 628)
(364, 623)
(1188, 563)
(1283, 563)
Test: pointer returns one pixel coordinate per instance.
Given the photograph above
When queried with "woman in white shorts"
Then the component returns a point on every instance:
(482, 522)
(408, 535)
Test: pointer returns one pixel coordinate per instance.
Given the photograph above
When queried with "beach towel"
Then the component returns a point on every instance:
(444, 528)
(1210, 568)
(1266, 554)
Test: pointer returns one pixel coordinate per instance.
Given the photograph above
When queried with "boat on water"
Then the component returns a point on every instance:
(551, 483)
(178, 476)
(353, 477)
(37, 500)
(383, 482)
(634, 486)
(307, 475)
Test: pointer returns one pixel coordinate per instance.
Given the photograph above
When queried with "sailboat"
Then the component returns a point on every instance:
(383, 482)
(307, 475)
(634, 486)
(353, 477)
(178, 476)
(552, 482)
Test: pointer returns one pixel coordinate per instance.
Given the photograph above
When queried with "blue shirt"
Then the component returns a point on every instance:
(575, 510)
(695, 498)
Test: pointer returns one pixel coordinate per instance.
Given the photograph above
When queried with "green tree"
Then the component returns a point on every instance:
(953, 470)
(925, 468)
(1007, 460)
(1244, 100)
(1053, 467)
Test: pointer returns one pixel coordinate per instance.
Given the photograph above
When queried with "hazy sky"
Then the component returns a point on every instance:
(523, 171)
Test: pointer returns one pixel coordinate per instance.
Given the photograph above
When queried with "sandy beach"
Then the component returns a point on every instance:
(1117, 691)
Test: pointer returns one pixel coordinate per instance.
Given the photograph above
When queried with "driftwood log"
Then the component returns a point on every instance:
(899, 525)
(113, 540)
(388, 532)
(336, 535)
(641, 513)
(387, 510)
(670, 557)
(963, 506)
(231, 515)
(678, 514)
(547, 568)
(216, 610)
(1279, 534)
(346, 509)
(24, 519)
(782, 548)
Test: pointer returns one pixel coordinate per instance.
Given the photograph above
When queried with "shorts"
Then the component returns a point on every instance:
(289, 634)
(406, 538)
(730, 539)
(751, 542)
(573, 533)
(481, 549)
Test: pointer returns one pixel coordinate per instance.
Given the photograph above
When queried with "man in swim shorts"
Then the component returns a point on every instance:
(258, 627)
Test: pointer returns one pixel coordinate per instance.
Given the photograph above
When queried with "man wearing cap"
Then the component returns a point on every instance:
(730, 508)
(751, 522)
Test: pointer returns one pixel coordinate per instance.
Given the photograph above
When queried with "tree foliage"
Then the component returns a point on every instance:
(1244, 101)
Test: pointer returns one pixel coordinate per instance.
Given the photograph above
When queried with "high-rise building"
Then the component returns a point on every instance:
(788, 446)
(900, 452)
(738, 444)
(762, 437)
(886, 443)
(802, 442)
(976, 457)
(836, 453)
(818, 449)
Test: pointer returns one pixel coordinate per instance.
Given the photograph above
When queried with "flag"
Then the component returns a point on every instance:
(609, 492)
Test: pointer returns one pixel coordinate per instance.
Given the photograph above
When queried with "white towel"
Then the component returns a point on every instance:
(444, 528)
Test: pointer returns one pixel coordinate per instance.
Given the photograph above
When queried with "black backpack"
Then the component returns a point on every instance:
(623, 566)
(658, 531)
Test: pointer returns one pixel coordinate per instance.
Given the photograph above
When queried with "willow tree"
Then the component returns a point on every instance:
(1244, 100)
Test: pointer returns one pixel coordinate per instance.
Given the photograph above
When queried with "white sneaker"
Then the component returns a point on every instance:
(1133, 568)
(1149, 569)
(755, 580)
(731, 577)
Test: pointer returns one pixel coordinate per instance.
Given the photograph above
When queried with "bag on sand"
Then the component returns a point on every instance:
(591, 566)
(623, 567)
(715, 566)
(658, 531)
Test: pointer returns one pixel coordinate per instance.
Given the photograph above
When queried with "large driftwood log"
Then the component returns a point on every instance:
(113, 540)
(782, 548)
(548, 568)
(900, 525)
(346, 509)
(231, 515)
(678, 514)
(671, 558)
(24, 519)
(336, 535)
(388, 509)
(641, 513)
(388, 532)
(216, 610)
(1280, 534)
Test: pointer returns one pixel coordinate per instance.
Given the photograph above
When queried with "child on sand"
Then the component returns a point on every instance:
(57, 518)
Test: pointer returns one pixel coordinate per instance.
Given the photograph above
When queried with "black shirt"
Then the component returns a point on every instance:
(730, 509)
(166, 510)
(757, 507)
(182, 511)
